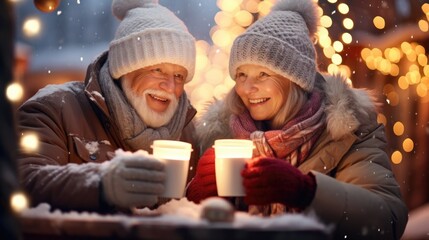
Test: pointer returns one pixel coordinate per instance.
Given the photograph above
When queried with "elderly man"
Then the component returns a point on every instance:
(132, 95)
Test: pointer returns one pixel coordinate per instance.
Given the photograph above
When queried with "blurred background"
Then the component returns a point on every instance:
(378, 44)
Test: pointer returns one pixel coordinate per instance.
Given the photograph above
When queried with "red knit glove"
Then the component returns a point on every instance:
(271, 180)
(204, 183)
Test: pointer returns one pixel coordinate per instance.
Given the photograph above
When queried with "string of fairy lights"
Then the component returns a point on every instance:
(212, 80)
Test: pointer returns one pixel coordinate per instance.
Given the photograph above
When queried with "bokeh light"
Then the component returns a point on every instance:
(379, 22)
(29, 142)
(396, 157)
(18, 202)
(32, 27)
(398, 128)
(14, 92)
(408, 145)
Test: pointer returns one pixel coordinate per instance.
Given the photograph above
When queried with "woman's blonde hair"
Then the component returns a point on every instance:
(296, 98)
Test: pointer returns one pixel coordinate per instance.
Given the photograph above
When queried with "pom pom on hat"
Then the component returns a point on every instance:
(149, 34)
(281, 41)
(121, 7)
(307, 9)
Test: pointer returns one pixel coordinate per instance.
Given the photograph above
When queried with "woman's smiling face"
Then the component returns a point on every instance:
(260, 91)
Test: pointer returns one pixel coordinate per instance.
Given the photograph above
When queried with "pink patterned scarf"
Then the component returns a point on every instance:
(294, 141)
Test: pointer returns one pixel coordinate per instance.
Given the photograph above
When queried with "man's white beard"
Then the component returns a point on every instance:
(150, 117)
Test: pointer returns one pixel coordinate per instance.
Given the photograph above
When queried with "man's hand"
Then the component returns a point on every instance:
(133, 180)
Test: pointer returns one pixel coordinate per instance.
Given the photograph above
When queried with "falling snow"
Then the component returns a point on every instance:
(92, 147)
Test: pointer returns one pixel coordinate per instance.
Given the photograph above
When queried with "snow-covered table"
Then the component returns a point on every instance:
(178, 219)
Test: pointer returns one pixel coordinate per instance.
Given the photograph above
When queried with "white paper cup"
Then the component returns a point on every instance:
(175, 155)
(231, 156)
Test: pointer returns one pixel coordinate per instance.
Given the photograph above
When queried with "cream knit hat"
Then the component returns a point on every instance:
(282, 42)
(149, 34)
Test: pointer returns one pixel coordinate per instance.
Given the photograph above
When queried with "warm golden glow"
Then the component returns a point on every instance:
(393, 54)
(338, 46)
(419, 49)
(220, 91)
(345, 70)
(425, 81)
(394, 70)
(326, 21)
(376, 52)
(398, 128)
(347, 38)
(322, 31)
(18, 202)
(251, 6)
(223, 19)
(333, 69)
(348, 23)
(243, 18)
(228, 5)
(412, 56)
(413, 77)
(214, 76)
(370, 62)
(264, 7)
(422, 59)
(425, 8)
(384, 66)
(337, 59)
(379, 22)
(408, 145)
(325, 41)
(365, 53)
(396, 157)
(403, 83)
(31, 27)
(221, 38)
(422, 90)
(381, 119)
(14, 92)
(218, 59)
(201, 62)
(343, 8)
(329, 51)
(423, 25)
(406, 47)
(29, 142)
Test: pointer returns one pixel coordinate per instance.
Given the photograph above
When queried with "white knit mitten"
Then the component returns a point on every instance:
(133, 180)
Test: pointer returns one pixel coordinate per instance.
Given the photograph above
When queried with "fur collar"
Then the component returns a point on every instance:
(347, 110)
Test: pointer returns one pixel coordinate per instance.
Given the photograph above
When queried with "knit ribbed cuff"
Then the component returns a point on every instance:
(152, 47)
(279, 56)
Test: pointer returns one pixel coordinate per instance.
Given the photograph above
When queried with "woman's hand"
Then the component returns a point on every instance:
(271, 180)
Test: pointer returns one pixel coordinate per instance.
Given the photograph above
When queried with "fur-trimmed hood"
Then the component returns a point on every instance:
(348, 110)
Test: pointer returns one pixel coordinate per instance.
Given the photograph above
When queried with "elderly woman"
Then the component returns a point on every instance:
(318, 146)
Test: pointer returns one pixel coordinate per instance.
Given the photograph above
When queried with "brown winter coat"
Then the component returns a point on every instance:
(74, 126)
(356, 189)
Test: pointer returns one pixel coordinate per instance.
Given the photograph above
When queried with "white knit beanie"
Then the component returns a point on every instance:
(149, 34)
(281, 41)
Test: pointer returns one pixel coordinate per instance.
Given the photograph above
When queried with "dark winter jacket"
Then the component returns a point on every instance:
(74, 127)
(356, 189)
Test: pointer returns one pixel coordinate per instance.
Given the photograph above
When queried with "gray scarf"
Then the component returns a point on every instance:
(133, 130)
